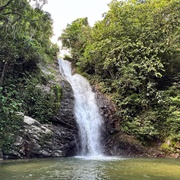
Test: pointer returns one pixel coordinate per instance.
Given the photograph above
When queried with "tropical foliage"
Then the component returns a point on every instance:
(133, 54)
(75, 37)
(25, 33)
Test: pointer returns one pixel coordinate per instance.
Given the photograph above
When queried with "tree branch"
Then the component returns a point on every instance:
(3, 74)
(3, 7)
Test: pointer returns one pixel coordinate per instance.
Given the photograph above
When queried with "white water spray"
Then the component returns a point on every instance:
(86, 111)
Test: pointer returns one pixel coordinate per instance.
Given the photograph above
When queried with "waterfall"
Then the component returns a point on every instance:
(87, 114)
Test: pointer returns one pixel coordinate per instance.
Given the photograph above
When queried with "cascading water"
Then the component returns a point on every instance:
(86, 111)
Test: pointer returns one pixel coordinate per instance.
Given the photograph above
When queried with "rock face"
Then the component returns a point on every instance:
(116, 142)
(56, 139)
(107, 111)
(42, 140)
(66, 116)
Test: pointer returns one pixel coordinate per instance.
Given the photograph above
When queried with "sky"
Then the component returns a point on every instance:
(63, 12)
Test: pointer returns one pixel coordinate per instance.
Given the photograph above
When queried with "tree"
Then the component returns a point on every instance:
(133, 53)
(75, 37)
(24, 34)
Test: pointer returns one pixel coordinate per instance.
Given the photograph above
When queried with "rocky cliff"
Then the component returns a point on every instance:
(58, 136)
(117, 143)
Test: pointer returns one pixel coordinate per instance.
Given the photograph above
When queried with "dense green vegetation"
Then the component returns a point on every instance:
(24, 43)
(133, 55)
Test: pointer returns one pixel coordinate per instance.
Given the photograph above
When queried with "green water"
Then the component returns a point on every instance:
(91, 169)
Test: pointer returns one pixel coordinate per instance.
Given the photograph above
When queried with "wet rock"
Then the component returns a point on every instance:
(124, 145)
(107, 111)
(66, 116)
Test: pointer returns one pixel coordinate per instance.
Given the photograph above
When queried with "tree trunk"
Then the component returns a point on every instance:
(3, 73)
